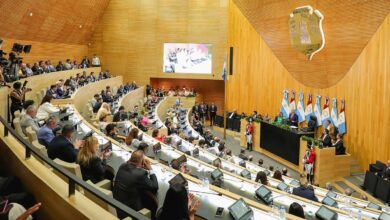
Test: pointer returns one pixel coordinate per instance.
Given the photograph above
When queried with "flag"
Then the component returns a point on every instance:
(325, 112)
(285, 109)
(292, 101)
(309, 108)
(342, 127)
(333, 114)
(300, 111)
(317, 110)
(224, 69)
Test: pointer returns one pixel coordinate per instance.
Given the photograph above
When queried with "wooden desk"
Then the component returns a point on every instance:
(328, 166)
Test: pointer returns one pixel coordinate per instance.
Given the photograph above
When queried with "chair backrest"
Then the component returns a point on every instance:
(43, 92)
(39, 97)
(17, 114)
(74, 168)
(31, 134)
(18, 128)
(39, 147)
(98, 201)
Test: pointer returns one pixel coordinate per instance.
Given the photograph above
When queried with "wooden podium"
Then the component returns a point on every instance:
(328, 166)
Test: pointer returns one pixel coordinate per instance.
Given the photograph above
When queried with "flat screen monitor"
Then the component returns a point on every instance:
(329, 201)
(374, 206)
(264, 194)
(178, 179)
(294, 183)
(325, 213)
(331, 194)
(282, 186)
(216, 174)
(240, 210)
(384, 216)
(187, 58)
(246, 174)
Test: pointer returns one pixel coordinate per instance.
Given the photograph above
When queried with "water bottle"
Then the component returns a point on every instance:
(359, 217)
(282, 213)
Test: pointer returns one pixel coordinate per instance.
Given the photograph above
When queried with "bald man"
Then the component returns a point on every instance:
(135, 182)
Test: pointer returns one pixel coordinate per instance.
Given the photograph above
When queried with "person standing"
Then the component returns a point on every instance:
(213, 113)
(249, 135)
(308, 161)
(95, 61)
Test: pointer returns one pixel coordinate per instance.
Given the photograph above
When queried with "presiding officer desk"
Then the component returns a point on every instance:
(246, 188)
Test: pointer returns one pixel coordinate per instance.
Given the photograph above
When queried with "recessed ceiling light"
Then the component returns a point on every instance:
(30, 14)
(80, 26)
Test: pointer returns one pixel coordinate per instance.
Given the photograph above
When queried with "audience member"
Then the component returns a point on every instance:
(156, 135)
(46, 108)
(339, 145)
(29, 119)
(278, 175)
(135, 182)
(296, 210)
(304, 192)
(104, 110)
(46, 133)
(120, 115)
(261, 177)
(61, 146)
(242, 155)
(348, 192)
(132, 138)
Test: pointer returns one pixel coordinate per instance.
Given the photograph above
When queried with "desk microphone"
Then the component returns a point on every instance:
(202, 192)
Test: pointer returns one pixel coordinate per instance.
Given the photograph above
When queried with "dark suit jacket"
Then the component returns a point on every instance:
(305, 193)
(63, 149)
(131, 184)
(326, 141)
(94, 170)
(293, 119)
(213, 109)
(386, 173)
(340, 149)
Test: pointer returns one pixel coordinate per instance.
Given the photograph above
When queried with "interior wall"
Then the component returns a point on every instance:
(130, 36)
(44, 51)
(259, 80)
(209, 91)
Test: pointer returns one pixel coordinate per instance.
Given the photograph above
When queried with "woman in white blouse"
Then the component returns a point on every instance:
(46, 108)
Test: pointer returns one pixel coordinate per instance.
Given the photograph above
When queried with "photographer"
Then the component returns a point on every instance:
(17, 96)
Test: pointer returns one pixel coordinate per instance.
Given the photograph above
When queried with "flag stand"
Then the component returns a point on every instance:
(224, 110)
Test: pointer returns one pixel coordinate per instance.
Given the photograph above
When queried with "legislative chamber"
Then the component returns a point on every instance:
(194, 109)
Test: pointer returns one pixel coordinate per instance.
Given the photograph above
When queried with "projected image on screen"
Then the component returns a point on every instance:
(187, 58)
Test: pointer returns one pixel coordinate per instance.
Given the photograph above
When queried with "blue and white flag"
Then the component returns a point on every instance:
(333, 114)
(317, 110)
(325, 116)
(300, 110)
(224, 69)
(309, 108)
(285, 108)
(342, 127)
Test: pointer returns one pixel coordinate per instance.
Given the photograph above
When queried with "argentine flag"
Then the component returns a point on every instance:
(342, 127)
(317, 110)
(224, 69)
(333, 113)
(300, 111)
(285, 109)
(309, 108)
(325, 112)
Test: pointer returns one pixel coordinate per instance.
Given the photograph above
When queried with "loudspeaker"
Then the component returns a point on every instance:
(231, 61)
(27, 48)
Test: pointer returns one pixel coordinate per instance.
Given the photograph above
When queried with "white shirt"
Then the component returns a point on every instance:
(45, 110)
(96, 61)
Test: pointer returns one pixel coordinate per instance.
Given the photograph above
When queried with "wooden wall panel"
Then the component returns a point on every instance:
(47, 51)
(51, 20)
(130, 37)
(259, 79)
(348, 26)
(208, 90)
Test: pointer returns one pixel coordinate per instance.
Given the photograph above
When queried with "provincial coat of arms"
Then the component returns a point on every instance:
(306, 32)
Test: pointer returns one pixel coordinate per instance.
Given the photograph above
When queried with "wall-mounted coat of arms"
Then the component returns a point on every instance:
(306, 32)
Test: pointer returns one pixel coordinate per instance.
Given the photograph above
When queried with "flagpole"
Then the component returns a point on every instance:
(224, 109)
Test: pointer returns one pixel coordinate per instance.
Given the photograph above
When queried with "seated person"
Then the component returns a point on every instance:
(46, 133)
(134, 183)
(278, 175)
(108, 97)
(285, 172)
(386, 172)
(261, 177)
(104, 110)
(120, 115)
(242, 155)
(339, 145)
(156, 135)
(326, 139)
(296, 210)
(279, 118)
(61, 146)
(304, 192)
(132, 138)
(112, 132)
(293, 119)
(312, 124)
(180, 167)
(52, 91)
(179, 204)
(260, 163)
(29, 119)
(97, 105)
(95, 100)
(92, 165)
(46, 108)
(145, 121)
(103, 122)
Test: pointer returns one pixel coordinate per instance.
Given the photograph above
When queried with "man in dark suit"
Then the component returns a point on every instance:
(386, 172)
(213, 113)
(304, 192)
(325, 139)
(339, 145)
(61, 146)
(311, 125)
(134, 182)
(293, 119)
(120, 115)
